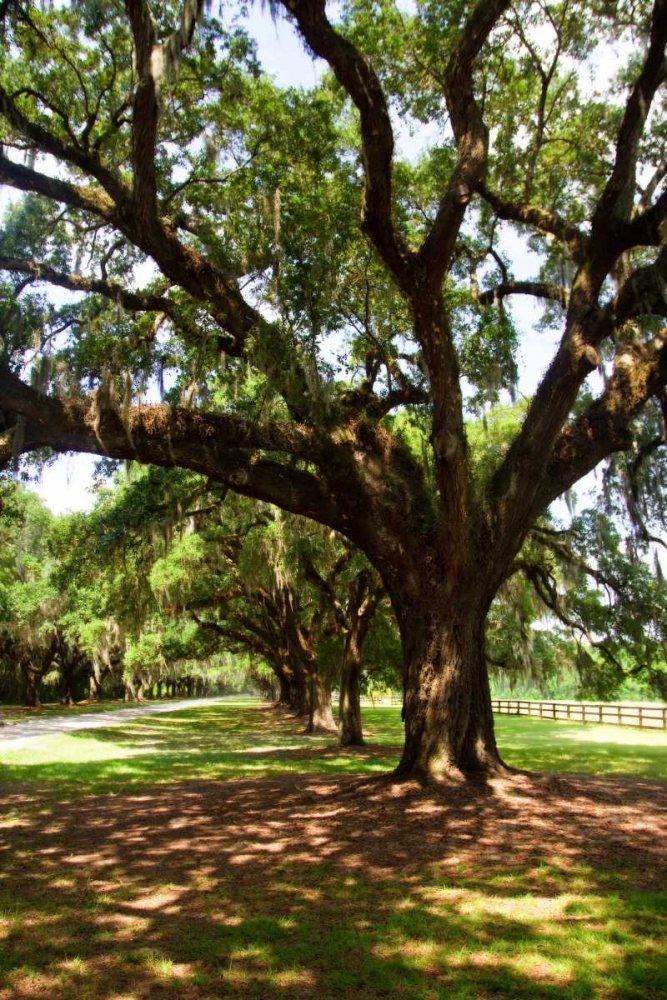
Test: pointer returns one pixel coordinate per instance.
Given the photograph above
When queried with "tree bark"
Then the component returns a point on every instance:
(350, 729)
(320, 715)
(284, 699)
(300, 691)
(364, 596)
(32, 679)
(94, 685)
(449, 722)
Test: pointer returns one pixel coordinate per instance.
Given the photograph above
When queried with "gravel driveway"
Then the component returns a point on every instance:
(19, 733)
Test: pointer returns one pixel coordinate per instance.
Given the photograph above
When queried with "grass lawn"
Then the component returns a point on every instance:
(218, 852)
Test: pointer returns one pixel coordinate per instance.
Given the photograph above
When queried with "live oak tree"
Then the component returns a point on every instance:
(279, 588)
(104, 561)
(292, 328)
(35, 642)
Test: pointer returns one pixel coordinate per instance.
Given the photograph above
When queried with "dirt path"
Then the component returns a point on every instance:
(19, 733)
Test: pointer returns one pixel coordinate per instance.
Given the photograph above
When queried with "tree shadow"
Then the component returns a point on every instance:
(312, 886)
(324, 878)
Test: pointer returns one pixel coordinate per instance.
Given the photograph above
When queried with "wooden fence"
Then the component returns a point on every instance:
(644, 716)
(381, 700)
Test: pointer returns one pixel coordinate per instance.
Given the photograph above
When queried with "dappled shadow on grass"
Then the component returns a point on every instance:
(217, 742)
(308, 886)
(231, 740)
(321, 880)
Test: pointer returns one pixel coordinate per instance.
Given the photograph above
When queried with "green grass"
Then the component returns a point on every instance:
(582, 748)
(233, 740)
(119, 898)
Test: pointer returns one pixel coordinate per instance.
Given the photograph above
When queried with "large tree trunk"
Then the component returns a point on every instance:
(320, 716)
(350, 693)
(448, 718)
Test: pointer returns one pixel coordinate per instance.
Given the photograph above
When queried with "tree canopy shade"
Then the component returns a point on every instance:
(305, 343)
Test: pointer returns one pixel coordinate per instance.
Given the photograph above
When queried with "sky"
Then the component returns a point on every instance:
(66, 484)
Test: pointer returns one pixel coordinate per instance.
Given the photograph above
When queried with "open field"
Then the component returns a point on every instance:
(219, 852)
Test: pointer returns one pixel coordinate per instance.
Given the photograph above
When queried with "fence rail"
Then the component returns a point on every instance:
(381, 700)
(643, 716)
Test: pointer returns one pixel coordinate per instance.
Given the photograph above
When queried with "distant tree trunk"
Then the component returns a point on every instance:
(320, 715)
(67, 672)
(362, 604)
(350, 694)
(299, 689)
(130, 694)
(94, 690)
(32, 678)
(284, 690)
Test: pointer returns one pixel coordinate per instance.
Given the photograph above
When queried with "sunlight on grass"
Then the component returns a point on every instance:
(236, 740)
(157, 909)
(539, 745)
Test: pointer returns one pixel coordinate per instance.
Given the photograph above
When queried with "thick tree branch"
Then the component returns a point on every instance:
(153, 62)
(538, 289)
(364, 399)
(647, 229)
(470, 134)
(569, 235)
(132, 301)
(46, 142)
(516, 483)
(145, 110)
(520, 478)
(225, 448)
(643, 293)
(640, 372)
(656, 180)
(358, 78)
(217, 291)
(617, 198)
(76, 196)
